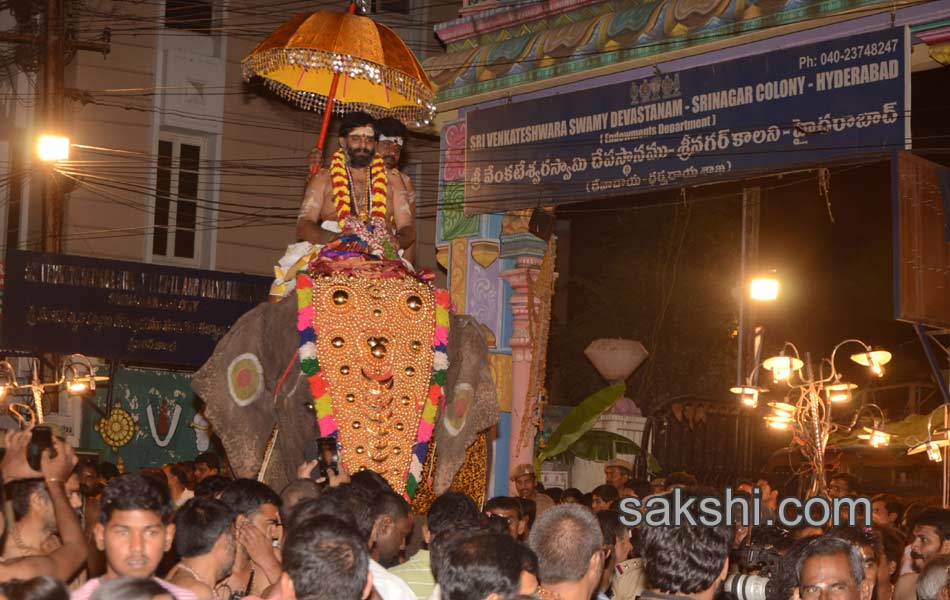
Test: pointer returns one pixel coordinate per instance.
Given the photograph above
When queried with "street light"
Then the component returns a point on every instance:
(52, 148)
(76, 373)
(763, 289)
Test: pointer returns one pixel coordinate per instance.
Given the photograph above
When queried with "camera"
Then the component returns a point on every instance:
(41, 439)
(746, 587)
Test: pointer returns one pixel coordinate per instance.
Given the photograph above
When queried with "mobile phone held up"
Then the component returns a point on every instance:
(42, 438)
(328, 457)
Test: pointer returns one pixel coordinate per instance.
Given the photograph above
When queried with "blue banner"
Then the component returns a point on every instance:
(803, 105)
(133, 312)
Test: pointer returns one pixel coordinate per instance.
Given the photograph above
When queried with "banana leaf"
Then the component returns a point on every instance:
(579, 421)
(604, 445)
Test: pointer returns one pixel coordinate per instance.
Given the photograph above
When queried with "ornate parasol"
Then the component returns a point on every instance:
(341, 62)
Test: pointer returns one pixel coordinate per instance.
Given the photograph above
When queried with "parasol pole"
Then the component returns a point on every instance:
(321, 142)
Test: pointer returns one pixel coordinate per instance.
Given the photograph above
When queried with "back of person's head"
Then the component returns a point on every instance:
(325, 559)
(389, 504)
(370, 481)
(39, 588)
(554, 493)
(212, 486)
(571, 496)
(565, 538)
(180, 472)
(497, 524)
(611, 527)
(347, 503)
(607, 493)
(506, 503)
(827, 545)
(107, 471)
(681, 478)
(296, 492)
(685, 559)
(210, 460)
(893, 543)
(198, 525)
(451, 509)
(933, 577)
(480, 566)
(134, 491)
(21, 494)
(246, 496)
(859, 537)
(442, 543)
(129, 588)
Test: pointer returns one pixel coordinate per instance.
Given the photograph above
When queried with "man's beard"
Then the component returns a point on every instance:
(359, 158)
(390, 160)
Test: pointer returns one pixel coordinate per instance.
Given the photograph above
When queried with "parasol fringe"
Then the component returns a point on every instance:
(264, 63)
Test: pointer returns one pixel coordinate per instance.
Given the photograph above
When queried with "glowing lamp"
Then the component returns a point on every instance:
(763, 289)
(874, 360)
(77, 387)
(778, 422)
(876, 437)
(839, 392)
(52, 148)
(782, 366)
(932, 448)
(933, 452)
(3, 391)
(748, 395)
(783, 406)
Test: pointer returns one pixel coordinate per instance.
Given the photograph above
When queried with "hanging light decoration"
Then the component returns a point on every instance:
(839, 392)
(873, 359)
(877, 438)
(782, 366)
(748, 395)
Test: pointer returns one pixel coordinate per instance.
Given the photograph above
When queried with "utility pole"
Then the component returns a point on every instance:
(748, 263)
(54, 75)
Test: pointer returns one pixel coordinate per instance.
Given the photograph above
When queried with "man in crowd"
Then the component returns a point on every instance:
(392, 140)
(568, 543)
(511, 510)
(487, 566)
(449, 511)
(325, 559)
(178, 478)
(207, 464)
(63, 562)
(830, 567)
(256, 566)
(842, 485)
(686, 560)
(527, 486)
(618, 473)
(931, 537)
(933, 577)
(134, 531)
(33, 531)
(886, 510)
(204, 542)
(392, 524)
(769, 486)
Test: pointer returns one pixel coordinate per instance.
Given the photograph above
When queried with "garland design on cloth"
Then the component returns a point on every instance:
(375, 230)
(319, 382)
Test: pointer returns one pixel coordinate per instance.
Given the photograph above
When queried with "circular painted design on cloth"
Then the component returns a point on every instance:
(245, 379)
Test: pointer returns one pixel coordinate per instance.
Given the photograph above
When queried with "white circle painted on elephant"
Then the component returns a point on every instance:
(245, 379)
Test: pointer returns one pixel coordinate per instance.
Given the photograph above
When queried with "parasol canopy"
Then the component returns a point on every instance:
(351, 60)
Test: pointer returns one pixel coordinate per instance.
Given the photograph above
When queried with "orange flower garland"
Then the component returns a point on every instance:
(343, 192)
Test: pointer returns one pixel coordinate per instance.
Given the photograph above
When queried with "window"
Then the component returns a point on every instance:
(193, 15)
(176, 199)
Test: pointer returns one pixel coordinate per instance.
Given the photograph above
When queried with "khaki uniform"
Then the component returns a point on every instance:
(629, 579)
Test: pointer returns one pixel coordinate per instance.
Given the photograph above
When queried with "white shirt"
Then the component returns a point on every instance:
(389, 586)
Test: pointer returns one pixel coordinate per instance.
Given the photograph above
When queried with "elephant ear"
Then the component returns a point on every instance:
(471, 404)
(238, 382)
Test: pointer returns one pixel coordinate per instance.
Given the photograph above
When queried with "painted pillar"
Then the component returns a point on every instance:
(528, 252)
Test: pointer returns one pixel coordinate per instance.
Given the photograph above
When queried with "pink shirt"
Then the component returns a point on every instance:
(87, 590)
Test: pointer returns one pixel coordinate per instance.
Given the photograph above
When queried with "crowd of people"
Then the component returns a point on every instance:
(186, 531)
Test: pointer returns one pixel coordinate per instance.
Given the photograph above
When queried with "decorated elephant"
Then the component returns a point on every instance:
(349, 355)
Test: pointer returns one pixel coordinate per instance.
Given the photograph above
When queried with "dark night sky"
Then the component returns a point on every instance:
(837, 277)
